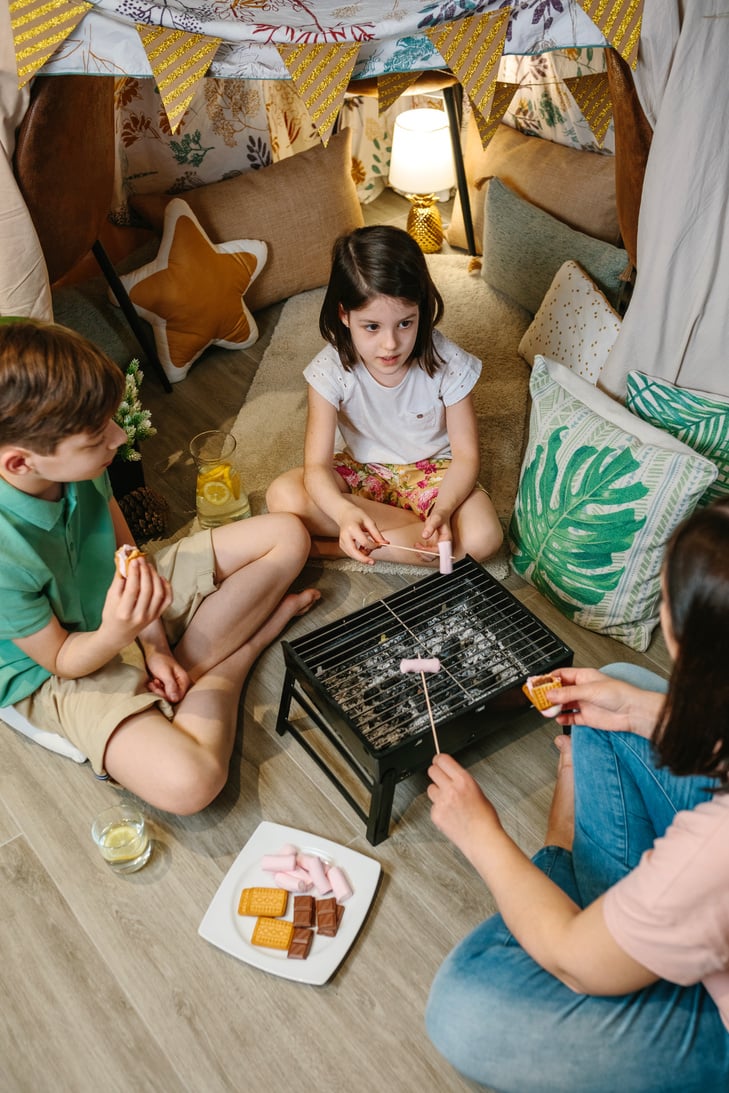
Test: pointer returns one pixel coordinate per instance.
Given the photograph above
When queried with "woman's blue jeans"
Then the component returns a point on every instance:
(504, 1022)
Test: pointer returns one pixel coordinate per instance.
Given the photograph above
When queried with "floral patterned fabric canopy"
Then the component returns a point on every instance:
(390, 35)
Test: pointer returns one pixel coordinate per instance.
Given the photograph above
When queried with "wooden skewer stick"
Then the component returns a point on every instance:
(413, 550)
(430, 714)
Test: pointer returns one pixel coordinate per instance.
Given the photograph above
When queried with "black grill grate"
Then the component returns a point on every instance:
(486, 640)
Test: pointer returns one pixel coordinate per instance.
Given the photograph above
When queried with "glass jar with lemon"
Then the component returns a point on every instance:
(219, 494)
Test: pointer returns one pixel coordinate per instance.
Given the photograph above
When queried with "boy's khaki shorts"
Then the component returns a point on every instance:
(88, 710)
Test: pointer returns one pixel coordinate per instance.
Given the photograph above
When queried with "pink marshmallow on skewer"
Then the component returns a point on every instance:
(420, 664)
(446, 557)
(423, 665)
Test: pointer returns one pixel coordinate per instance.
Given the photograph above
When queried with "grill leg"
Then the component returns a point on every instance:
(378, 821)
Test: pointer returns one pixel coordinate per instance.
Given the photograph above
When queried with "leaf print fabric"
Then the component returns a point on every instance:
(698, 419)
(599, 494)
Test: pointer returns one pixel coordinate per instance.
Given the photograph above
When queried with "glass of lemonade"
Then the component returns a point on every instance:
(219, 494)
(122, 836)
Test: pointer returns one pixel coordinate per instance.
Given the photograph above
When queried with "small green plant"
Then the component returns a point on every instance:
(133, 419)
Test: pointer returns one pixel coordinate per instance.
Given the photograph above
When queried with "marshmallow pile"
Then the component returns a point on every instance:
(301, 872)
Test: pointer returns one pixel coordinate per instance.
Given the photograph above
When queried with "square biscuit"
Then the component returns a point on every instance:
(536, 688)
(273, 933)
(263, 901)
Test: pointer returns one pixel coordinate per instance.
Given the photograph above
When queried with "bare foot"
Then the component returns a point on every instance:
(291, 606)
(561, 822)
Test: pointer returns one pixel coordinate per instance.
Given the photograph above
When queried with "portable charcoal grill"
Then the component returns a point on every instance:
(346, 677)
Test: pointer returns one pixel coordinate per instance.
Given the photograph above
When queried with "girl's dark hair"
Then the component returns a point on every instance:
(380, 261)
(692, 736)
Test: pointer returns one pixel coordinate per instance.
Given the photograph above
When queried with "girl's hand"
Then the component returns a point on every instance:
(436, 529)
(358, 535)
(460, 809)
(589, 697)
(134, 602)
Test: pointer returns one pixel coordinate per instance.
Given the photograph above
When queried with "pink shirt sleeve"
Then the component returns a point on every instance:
(671, 913)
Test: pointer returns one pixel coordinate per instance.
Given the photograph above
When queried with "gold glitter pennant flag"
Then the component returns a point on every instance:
(503, 94)
(619, 21)
(39, 28)
(592, 95)
(179, 60)
(320, 73)
(472, 48)
(391, 87)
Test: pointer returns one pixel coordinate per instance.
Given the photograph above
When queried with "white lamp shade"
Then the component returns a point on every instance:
(422, 158)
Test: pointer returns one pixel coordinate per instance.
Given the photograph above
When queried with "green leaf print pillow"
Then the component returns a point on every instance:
(698, 419)
(599, 494)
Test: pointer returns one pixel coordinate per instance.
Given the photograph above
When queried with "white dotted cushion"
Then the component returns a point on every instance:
(574, 325)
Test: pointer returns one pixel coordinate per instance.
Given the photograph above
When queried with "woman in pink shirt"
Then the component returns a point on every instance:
(607, 968)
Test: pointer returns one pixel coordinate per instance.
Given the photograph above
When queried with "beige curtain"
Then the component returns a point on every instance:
(677, 324)
(24, 288)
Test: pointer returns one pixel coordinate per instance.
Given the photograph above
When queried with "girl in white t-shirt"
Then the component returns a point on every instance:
(607, 968)
(391, 455)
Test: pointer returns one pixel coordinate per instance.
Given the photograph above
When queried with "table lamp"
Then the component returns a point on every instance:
(421, 165)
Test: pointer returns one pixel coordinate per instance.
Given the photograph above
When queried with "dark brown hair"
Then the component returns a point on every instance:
(380, 261)
(693, 734)
(54, 383)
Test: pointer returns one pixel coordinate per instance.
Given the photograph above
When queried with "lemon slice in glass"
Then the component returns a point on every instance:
(216, 493)
(224, 473)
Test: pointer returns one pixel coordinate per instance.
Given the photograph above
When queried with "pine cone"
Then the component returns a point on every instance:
(146, 512)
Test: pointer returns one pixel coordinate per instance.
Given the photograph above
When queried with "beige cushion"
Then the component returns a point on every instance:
(192, 293)
(576, 187)
(297, 206)
(575, 324)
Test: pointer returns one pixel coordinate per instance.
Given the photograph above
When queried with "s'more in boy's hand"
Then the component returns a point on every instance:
(536, 688)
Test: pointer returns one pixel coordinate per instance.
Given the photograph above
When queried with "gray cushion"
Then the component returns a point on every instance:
(523, 247)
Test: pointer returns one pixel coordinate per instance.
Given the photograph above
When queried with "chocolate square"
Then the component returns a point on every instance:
(300, 943)
(304, 910)
(327, 919)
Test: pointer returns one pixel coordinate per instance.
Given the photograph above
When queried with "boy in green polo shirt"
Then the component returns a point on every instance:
(142, 673)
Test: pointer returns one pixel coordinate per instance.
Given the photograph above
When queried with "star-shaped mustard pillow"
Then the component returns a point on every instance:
(193, 292)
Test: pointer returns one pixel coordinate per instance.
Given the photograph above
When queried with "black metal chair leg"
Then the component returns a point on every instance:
(452, 98)
(122, 296)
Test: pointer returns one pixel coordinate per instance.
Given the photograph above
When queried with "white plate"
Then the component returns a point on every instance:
(224, 927)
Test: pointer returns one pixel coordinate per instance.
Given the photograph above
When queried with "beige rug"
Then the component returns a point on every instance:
(270, 426)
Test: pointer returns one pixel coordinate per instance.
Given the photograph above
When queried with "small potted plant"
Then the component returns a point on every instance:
(145, 509)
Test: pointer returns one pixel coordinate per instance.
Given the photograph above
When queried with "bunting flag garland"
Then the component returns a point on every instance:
(179, 60)
(503, 94)
(321, 74)
(392, 86)
(472, 49)
(592, 95)
(39, 28)
(619, 21)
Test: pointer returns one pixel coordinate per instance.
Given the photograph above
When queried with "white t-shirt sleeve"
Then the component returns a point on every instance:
(328, 377)
(671, 913)
(459, 372)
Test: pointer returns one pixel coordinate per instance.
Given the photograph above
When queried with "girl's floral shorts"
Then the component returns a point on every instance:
(411, 486)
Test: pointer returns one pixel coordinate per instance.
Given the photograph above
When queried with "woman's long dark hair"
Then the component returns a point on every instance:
(380, 261)
(693, 734)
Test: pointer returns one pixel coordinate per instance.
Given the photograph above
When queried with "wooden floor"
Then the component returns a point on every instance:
(106, 985)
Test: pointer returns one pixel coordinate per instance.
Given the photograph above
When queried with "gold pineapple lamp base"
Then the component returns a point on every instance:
(424, 223)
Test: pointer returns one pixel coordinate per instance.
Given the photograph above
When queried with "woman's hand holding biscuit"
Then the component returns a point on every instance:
(590, 697)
